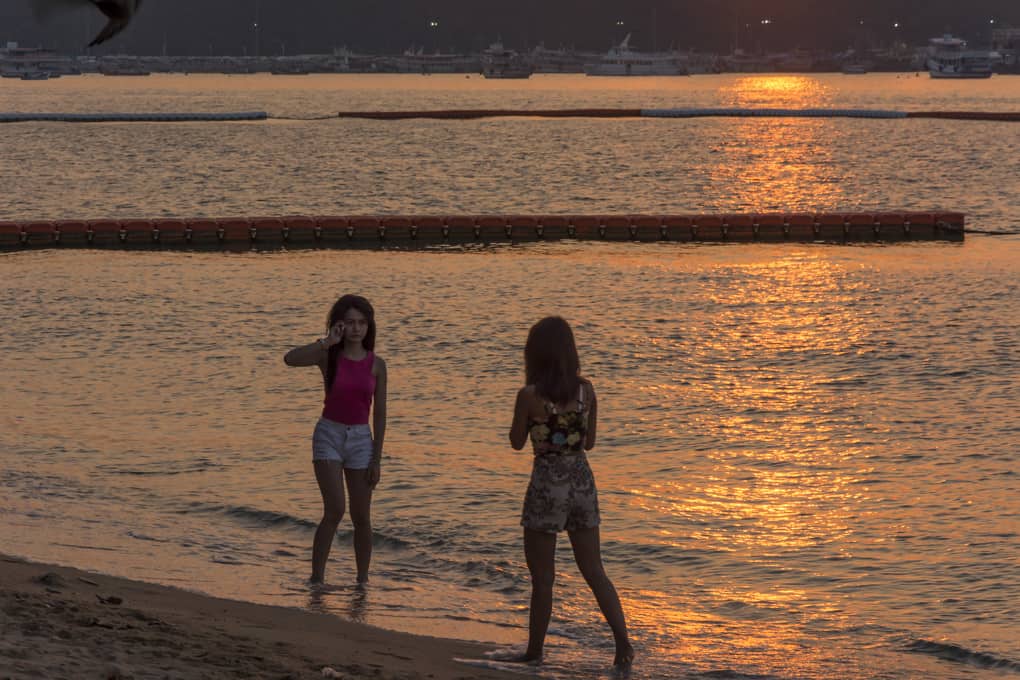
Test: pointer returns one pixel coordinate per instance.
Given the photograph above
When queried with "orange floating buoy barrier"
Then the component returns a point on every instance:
(553, 227)
(72, 233)
(170, 233)
(709, 228)
(738, 227)
(801, 227)
(11, 235)
(137, 233)
(203, 233)
(646, 228)
(298, 231)
(493, 228)
(678, 228)
(333, 230)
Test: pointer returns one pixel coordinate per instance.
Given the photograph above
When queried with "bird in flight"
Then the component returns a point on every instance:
(118, 13)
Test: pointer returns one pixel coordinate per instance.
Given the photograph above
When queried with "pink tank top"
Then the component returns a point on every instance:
(350, 398)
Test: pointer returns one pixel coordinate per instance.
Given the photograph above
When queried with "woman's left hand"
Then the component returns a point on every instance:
(372, 474)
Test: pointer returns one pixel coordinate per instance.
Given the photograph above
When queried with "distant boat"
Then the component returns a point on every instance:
(417, 61)
(798, 61)
(34, 63)
(560, 60)
(500, 62)
(742, 62)
(623, 60)
(854, 69)
(948, 57)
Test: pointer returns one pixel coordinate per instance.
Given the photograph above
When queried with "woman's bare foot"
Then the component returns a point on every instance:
(624, 655)
(515, 656)
(529, 659)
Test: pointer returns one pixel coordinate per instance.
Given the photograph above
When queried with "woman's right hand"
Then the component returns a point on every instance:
(335, 335)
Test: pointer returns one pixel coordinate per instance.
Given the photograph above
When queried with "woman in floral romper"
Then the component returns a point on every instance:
(557, 408)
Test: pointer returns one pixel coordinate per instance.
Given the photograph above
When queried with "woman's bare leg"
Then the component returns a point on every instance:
(327, 474)
(540, 553)
(360, 492)
(588, 555)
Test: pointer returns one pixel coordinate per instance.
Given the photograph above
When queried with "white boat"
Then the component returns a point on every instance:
(622, 60)
(560, 60)
(948, 57)
(417, 61)
(500, 62)
(34, 63)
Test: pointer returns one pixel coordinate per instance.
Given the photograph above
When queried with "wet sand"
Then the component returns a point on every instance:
(58, 622)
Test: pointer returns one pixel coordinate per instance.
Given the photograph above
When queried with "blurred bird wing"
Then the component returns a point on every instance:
(112, 28)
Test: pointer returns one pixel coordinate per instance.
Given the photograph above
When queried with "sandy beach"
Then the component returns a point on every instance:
(58, 622)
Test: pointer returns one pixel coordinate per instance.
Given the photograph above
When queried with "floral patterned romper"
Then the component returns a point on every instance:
(561, 494)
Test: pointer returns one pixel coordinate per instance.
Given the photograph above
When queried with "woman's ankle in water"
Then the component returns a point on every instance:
(624, 653)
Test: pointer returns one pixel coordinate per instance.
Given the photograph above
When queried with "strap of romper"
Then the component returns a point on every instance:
(551, 407)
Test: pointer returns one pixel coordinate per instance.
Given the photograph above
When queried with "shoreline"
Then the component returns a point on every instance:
(65, 622)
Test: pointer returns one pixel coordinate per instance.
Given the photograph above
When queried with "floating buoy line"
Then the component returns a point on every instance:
(290, 232)
(473, 114)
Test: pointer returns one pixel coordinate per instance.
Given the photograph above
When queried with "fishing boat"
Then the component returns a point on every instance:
(948, 57)
(623, 60)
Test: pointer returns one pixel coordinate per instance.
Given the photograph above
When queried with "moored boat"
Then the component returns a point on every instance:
(500, 62)
(418, 61)
(623, 60)
(948, 57)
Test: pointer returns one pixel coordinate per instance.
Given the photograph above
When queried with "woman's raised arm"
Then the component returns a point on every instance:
(312, 354)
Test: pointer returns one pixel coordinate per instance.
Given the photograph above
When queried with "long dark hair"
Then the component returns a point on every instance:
(336, 314)
(550, 360)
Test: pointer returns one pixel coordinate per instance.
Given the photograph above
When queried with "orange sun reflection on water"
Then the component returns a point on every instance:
(744, 631)
(775, 489)
(786, 91)
(780, 407)
(780, 164)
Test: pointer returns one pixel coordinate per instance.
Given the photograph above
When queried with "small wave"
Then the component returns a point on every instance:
(161, 469)
(496, 664)
(267, 518)
(952, 652)
(379, 539)
(732, 675)
(87, 547)
(145, 537)
(272, 518)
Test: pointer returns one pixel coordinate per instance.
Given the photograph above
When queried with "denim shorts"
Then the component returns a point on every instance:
(351, 445)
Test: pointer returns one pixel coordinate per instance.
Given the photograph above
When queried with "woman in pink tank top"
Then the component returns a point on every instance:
(343, 444)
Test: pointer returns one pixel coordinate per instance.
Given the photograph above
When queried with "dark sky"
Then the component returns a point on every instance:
(381, 26)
